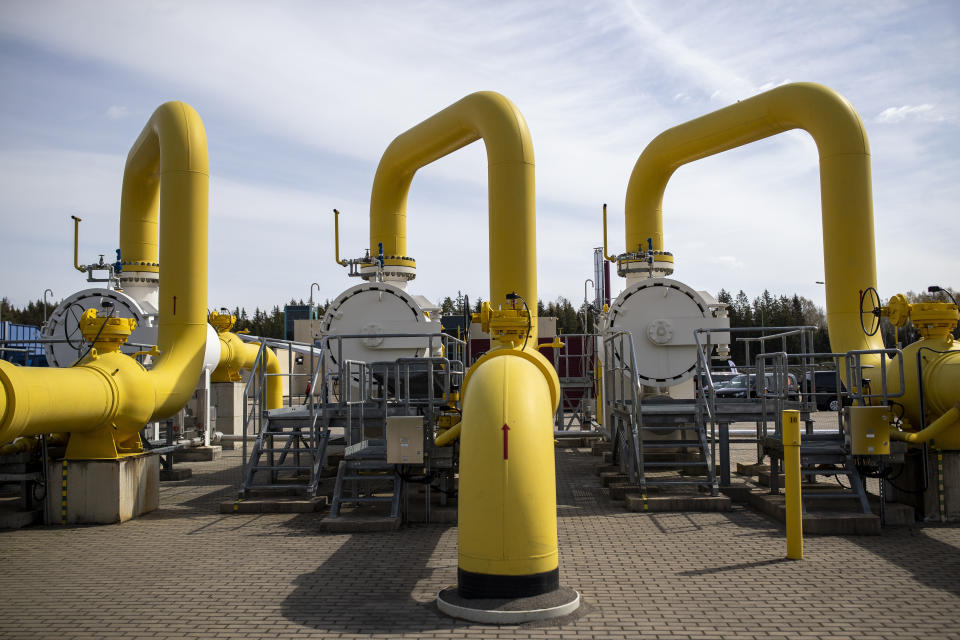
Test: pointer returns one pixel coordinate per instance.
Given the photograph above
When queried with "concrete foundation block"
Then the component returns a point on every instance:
(599, 448)
(10, 519)
(105, 491)
(620, 490)
(359, 524)
(275, 505)
(614, 477)
(198, 454)
(173, 475)
(678, 503)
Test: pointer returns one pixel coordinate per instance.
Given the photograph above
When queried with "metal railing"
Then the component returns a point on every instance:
(622, 418)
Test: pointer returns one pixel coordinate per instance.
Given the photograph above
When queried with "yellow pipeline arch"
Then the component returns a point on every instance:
(845, 187)
(107, 398)
(486, 116)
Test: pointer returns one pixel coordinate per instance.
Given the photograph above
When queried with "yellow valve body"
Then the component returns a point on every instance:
(221, 322)
(507, 517)
(110, 333)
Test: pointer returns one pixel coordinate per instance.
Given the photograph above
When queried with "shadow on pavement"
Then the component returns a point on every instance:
(368, 585)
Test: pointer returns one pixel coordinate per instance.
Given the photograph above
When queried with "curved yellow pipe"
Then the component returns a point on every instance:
(938, 426)
(235, 354)
(106, 399)
(510, 172)
(507, 523)
(845, 187)
(447, 437)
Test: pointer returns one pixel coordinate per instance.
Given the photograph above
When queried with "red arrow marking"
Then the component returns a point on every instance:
(506, 431)
(174, 305)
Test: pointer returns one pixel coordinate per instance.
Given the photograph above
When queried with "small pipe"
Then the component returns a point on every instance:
(606, 256)
(940, 424)
(45, 304)
(317, 285)
(336, 242)
(447, 437)
(76, 242)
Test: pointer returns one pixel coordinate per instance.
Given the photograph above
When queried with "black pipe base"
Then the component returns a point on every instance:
(487, 585)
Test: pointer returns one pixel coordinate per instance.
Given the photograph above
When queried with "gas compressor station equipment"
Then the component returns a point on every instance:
(507, 533)
(923, 400)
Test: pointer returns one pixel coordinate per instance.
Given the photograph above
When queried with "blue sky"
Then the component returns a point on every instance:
(300, 99)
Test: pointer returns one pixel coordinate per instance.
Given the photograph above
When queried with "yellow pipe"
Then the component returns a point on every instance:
(606, 254)
(105, 400)
(845, 187)
(939, 425)
(447, 437)
(336, 239)
(235, 354)
(792, 477)
(76, 243)
(507, 523)
(510, 172)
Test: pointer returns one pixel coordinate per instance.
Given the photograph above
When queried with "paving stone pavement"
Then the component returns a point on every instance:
(186, 571)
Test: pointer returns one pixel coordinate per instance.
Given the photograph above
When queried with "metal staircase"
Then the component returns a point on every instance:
(290, 450)
(365, 476)
(634, 426)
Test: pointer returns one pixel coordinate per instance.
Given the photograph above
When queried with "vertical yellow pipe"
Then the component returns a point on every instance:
(792, 476)
(845, 187)
(486, 116)
(167, 178)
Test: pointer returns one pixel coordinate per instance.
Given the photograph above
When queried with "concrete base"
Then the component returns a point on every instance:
(173, 475)
(358, 524)
(198, 454)
(599, 448)
(818, 522)
(607, 468)
(620, 490)
(677, 503)
(608, 478)
(228, 398)
(554, 604)
(274, 505)
(14, 519)
(106, 491)
(927, 503)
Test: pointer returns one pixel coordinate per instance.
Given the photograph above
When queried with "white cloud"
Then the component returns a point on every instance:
(117, 112)
(899, 114)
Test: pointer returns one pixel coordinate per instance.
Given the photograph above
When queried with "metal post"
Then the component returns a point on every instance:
(791, 463)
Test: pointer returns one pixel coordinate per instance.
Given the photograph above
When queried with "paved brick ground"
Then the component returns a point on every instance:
(186, 571)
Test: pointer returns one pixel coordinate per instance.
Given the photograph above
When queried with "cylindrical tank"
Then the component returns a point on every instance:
(375, 310)
(661, 315)
(63, 325)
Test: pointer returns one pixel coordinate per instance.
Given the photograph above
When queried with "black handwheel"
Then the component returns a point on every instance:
(870, 317)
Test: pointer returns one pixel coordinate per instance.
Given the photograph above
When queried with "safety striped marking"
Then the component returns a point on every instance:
(644, 496)
(940, 489)
(63, 493)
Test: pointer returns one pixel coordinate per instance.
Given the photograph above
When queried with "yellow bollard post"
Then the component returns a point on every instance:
(791, 470)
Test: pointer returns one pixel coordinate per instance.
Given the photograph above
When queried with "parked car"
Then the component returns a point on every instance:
(826, 390)
(720, 378)
(745, 386)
